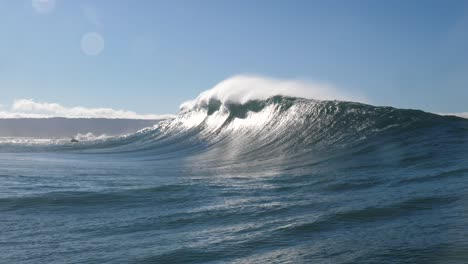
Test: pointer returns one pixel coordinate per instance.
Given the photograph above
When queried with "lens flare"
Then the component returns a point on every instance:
(92, 43)
(43, 6)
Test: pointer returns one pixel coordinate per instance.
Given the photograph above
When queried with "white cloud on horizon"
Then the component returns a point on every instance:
(27, 108)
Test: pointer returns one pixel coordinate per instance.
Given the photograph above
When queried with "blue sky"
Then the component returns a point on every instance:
(157, 54)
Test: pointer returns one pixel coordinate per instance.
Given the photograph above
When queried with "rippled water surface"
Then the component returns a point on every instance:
(284, 180)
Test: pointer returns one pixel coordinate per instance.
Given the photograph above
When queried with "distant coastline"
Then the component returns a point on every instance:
(60, 127)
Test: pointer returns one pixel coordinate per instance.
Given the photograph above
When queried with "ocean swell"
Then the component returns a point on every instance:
(278, 126)
(270, 180)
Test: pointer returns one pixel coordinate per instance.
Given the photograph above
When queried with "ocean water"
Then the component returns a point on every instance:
(281, 180)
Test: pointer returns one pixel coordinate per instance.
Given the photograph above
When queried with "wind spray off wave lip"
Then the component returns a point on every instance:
(252, 171)
(243, 88)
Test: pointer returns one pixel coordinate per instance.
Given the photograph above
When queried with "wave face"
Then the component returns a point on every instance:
(281, 179)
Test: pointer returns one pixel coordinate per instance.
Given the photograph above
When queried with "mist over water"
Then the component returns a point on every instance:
(274, 179)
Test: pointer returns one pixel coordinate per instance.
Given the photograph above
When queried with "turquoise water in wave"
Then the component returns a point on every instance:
(284, 180)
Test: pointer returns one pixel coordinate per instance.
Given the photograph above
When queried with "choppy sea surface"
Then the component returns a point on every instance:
(282, 180)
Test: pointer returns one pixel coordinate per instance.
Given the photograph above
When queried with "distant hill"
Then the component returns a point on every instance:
(69, 127)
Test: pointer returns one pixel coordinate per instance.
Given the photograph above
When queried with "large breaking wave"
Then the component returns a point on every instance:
(280, 129)
(256, 178)
(248, 119)
(286, 127)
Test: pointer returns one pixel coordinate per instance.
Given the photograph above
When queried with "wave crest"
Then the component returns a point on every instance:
(241, 89)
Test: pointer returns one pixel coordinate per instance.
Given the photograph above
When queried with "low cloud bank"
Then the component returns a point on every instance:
(27, 108)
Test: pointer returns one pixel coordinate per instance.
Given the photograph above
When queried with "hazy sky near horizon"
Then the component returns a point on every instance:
(150, 56)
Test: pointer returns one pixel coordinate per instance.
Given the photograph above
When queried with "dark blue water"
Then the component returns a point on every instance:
(278, 181)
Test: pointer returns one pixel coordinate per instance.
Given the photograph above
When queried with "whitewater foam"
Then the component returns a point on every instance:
(33, 141)
(244, 88)
(462, 115)
(90, 136)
